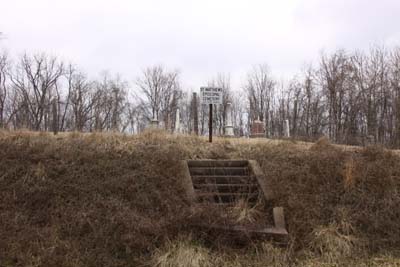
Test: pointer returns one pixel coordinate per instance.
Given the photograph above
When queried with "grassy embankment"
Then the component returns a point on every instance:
(116, 200)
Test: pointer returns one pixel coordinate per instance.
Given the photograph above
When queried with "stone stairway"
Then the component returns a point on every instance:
(225, 182)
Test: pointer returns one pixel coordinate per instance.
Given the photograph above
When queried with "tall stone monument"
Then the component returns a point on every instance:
(195, 114)
(287, 129)
(229, 124)
(177, 128)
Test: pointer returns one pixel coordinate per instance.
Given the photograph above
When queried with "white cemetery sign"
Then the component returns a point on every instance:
(211, 95)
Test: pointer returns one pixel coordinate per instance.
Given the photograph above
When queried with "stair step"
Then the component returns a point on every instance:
(221, 179)
(214, 206)
(219, 171)
(225, 188)
(226, 197)
(226, 194)
(226, 191)
(249, 229)
(217, 163)
(225, 185)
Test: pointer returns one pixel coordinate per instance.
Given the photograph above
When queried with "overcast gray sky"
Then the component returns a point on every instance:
(200, 38)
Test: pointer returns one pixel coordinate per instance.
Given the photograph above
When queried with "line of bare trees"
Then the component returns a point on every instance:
(353, 98)
(41, 93)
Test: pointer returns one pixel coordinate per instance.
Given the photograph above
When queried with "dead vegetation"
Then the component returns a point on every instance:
(117, 200)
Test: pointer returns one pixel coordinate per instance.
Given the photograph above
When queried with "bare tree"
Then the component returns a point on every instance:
(82, 101)
(395, 85)
(332, 76)
(63, 103)
(161, 90)
(238, 112)
(313, 109)
(35, 78)
(260, 91)
(3, 87)
(109, 103)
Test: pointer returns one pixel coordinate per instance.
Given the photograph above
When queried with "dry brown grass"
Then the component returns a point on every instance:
(331, 243)
(242, 211)
(116, 200)
(182, 252)
(186, 252)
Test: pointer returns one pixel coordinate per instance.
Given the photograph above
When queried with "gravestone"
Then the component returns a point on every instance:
(177, 128)
(257, 129)
(229, 125)
(154, 123)
(287, 129)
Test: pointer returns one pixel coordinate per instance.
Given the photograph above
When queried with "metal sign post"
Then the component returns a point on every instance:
(211, 96)
(210, 124)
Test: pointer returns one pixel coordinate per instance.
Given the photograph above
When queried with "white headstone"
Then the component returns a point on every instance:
(154, 122)
(229, 123)
(177, 121)
(287, 129)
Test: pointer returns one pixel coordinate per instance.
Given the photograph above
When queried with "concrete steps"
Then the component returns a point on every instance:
(220, 171)
(222, 183)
